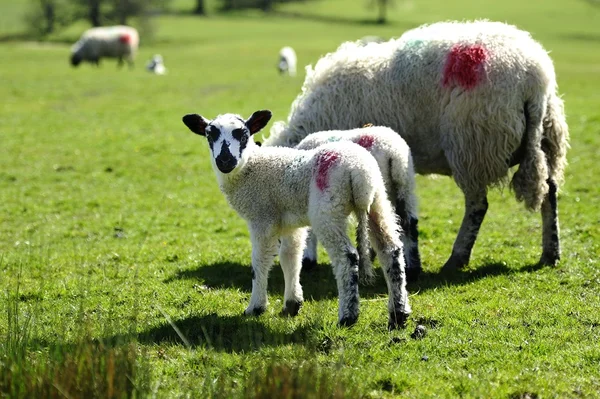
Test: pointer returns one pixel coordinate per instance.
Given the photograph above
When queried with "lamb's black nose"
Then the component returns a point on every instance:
(226, 163)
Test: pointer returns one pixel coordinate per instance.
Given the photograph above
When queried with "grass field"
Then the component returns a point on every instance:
(123, 272)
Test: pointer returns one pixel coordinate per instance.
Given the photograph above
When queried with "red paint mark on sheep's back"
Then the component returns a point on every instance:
(464, 65)
(366, 141)
(125, 38)
(326, 160)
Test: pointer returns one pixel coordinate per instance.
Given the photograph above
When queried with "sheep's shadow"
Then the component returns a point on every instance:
(319, 282)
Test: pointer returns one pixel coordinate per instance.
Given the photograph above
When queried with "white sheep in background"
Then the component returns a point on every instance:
(287, 61)
(119, 42)
(471, 99)
(280, 191)
(396, 165)
(156, 65)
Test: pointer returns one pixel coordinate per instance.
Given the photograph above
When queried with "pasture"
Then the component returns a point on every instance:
(123, 272)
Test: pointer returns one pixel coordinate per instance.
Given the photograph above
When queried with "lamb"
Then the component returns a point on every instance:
(396, 165)
(119, 42)
(156, 65)
(280, 191)
(287, 61)
(471, 99)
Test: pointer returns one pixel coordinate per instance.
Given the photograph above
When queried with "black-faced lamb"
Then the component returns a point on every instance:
(280, 191)
(119, 42)
(471, 99)
(396, 165)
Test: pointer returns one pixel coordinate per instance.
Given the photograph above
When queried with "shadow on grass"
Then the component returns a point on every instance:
(319, 283)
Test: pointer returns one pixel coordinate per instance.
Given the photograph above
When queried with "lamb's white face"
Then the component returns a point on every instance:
(229, 136)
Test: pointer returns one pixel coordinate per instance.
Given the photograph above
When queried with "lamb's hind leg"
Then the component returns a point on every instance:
(476, 206)
(309, 259)
(264, 248)
(550, 240)
(344, 260)
(410, 238)
(290, 255)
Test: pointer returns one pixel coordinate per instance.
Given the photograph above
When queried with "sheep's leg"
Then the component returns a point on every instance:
(309, 259)
(410, 238)
(120, 62)
(264, 247)
(476, 206)
(290, 255)
(344, 260)
(391, 257)
(550, 240)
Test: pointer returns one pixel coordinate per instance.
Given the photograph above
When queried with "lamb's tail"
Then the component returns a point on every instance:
(363, 245)
(384, 226)
(530, 180)
(555, 142)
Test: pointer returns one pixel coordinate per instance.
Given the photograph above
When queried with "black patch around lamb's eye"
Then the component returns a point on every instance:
(239, 135)
(213, 133)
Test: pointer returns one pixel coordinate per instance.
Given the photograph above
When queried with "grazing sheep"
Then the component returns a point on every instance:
(287, 61)
(119, 42)
(396, 165)
(279, 191)
(471, 99)
(156, 65)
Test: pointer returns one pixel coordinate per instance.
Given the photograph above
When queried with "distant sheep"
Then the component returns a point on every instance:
(156, 65)
(287, 61)
(279, 191)
(471, 99)
(396, 165)
(119, 42)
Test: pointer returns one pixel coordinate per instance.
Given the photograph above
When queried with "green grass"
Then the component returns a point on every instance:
(113, 231)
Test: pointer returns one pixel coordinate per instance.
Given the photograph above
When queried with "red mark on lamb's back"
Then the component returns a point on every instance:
(366, 141)
(326, 160)
(125, 38)
(464, 65)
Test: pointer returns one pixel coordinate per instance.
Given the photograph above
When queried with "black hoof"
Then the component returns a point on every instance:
(372, 254)
(455, 263)
(549, 259)
(347, 321)
(412, 274)
(308, 264)
(255, 311)
(291, 308)
(397, 320)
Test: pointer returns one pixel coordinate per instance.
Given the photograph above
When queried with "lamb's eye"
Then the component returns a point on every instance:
(239, 135)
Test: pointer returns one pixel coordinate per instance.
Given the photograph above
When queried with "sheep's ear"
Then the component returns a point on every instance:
(258, 120)
(196, 123)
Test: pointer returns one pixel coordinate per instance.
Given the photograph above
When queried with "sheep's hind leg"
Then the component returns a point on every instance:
(550, 234)
(264, 248)
(344, 260)
(290, 255)
(476, 206)
(410, 238)
(309, 258)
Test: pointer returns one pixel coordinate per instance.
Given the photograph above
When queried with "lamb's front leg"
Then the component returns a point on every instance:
(476, 206)
(290, 257)
(264, 248)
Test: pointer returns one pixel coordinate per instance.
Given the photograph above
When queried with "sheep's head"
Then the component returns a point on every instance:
(229, 136)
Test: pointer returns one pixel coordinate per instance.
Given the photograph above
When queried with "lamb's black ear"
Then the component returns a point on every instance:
(196, 123)
(258, 120)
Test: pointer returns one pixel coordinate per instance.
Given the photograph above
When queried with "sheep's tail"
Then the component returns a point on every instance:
(364, 248)
(530, 181)
(555, 141)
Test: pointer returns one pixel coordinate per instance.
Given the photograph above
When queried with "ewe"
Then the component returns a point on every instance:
(280, 191)
(471, 99)
(119, 42)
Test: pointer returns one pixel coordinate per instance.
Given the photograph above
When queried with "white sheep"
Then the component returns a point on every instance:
(156, 65)
(119, 42)
(396, 166)
(280, 191)
(287, 61)
(471, 99)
